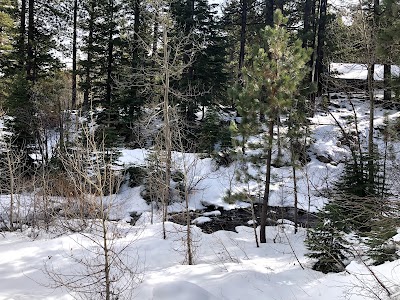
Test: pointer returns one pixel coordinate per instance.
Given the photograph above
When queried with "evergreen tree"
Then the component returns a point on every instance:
(326, 241)
(203, 80)
(359, 208)
(106, 51)
(7, 36)
(131, 90)
(241, 21)
(32, 59)
(271, 81)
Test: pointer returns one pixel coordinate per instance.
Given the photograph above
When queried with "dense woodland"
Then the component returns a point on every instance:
(81, 80)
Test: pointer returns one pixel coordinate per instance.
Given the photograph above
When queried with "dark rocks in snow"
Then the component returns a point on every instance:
(338, 96)
(326, 159)
(230, 219)
(391, 105)
(335, 105)
(134, 217)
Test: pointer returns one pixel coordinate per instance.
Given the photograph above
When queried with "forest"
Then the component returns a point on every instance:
(187, 149)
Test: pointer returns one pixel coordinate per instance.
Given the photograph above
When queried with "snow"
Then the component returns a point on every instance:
(212, 213)
(181, 290)
(228, 265)
(201, 220)
(360, 71)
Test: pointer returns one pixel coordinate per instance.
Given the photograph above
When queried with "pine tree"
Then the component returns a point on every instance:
(32, 59)
(359, 208)
(7, 36)
(326, 241)
(203, 80)
(271, 81)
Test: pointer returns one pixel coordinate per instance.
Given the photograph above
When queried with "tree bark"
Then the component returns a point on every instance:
(167, 128)
(30, 65)
(307, 22)
(243, 25)
(320, 45)
(263, 217)
(294, 188)
(88, 79)
(73, 96)
(279, 5)
(190, 114)
(269, 12)
(371, 69)
(110, 59)
(387, 77)
(22, 32)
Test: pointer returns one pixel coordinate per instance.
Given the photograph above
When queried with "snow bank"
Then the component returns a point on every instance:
(359, 71)
(181, 290)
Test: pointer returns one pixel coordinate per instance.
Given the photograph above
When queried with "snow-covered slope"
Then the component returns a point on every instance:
(228, 264)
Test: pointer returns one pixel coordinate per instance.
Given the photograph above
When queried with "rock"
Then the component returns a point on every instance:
(324, 158)
(230, 219)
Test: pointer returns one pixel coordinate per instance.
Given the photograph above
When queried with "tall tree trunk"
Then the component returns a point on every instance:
(22, 32)
(189, 241)
(190, 114)
(243, 25)
(110, 59)
(269, 12)
(30, 65)
(371, 70)
(371, 47)
(279, 5)
(133, 91)
(88, 71)
(263, 217)
(307, 22)
(167, 128)
(107, 263)
(312, 63)
(387, 78)
(319, 67)
(73, 96)
(155, 36)
(136, 27)
(293, 158)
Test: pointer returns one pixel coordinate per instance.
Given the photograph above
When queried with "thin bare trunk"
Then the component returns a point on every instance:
(73, 98)
(22, 32)
(387, 77)
(278, 140)
(263, 217)
(106, 258)
(371, 123)
(88, 70)
(242, 39)
(167, 129)
(294, 188)
(253, 216)
(12, 191)
(30, 65)
(110, 59)
(188, 228)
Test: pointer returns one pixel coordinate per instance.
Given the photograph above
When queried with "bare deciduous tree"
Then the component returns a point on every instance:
(104, 270)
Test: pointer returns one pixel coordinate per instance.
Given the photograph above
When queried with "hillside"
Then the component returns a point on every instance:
(40, 263)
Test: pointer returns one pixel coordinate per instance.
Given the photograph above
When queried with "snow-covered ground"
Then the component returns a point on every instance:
(360, 71)
(228, 264)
